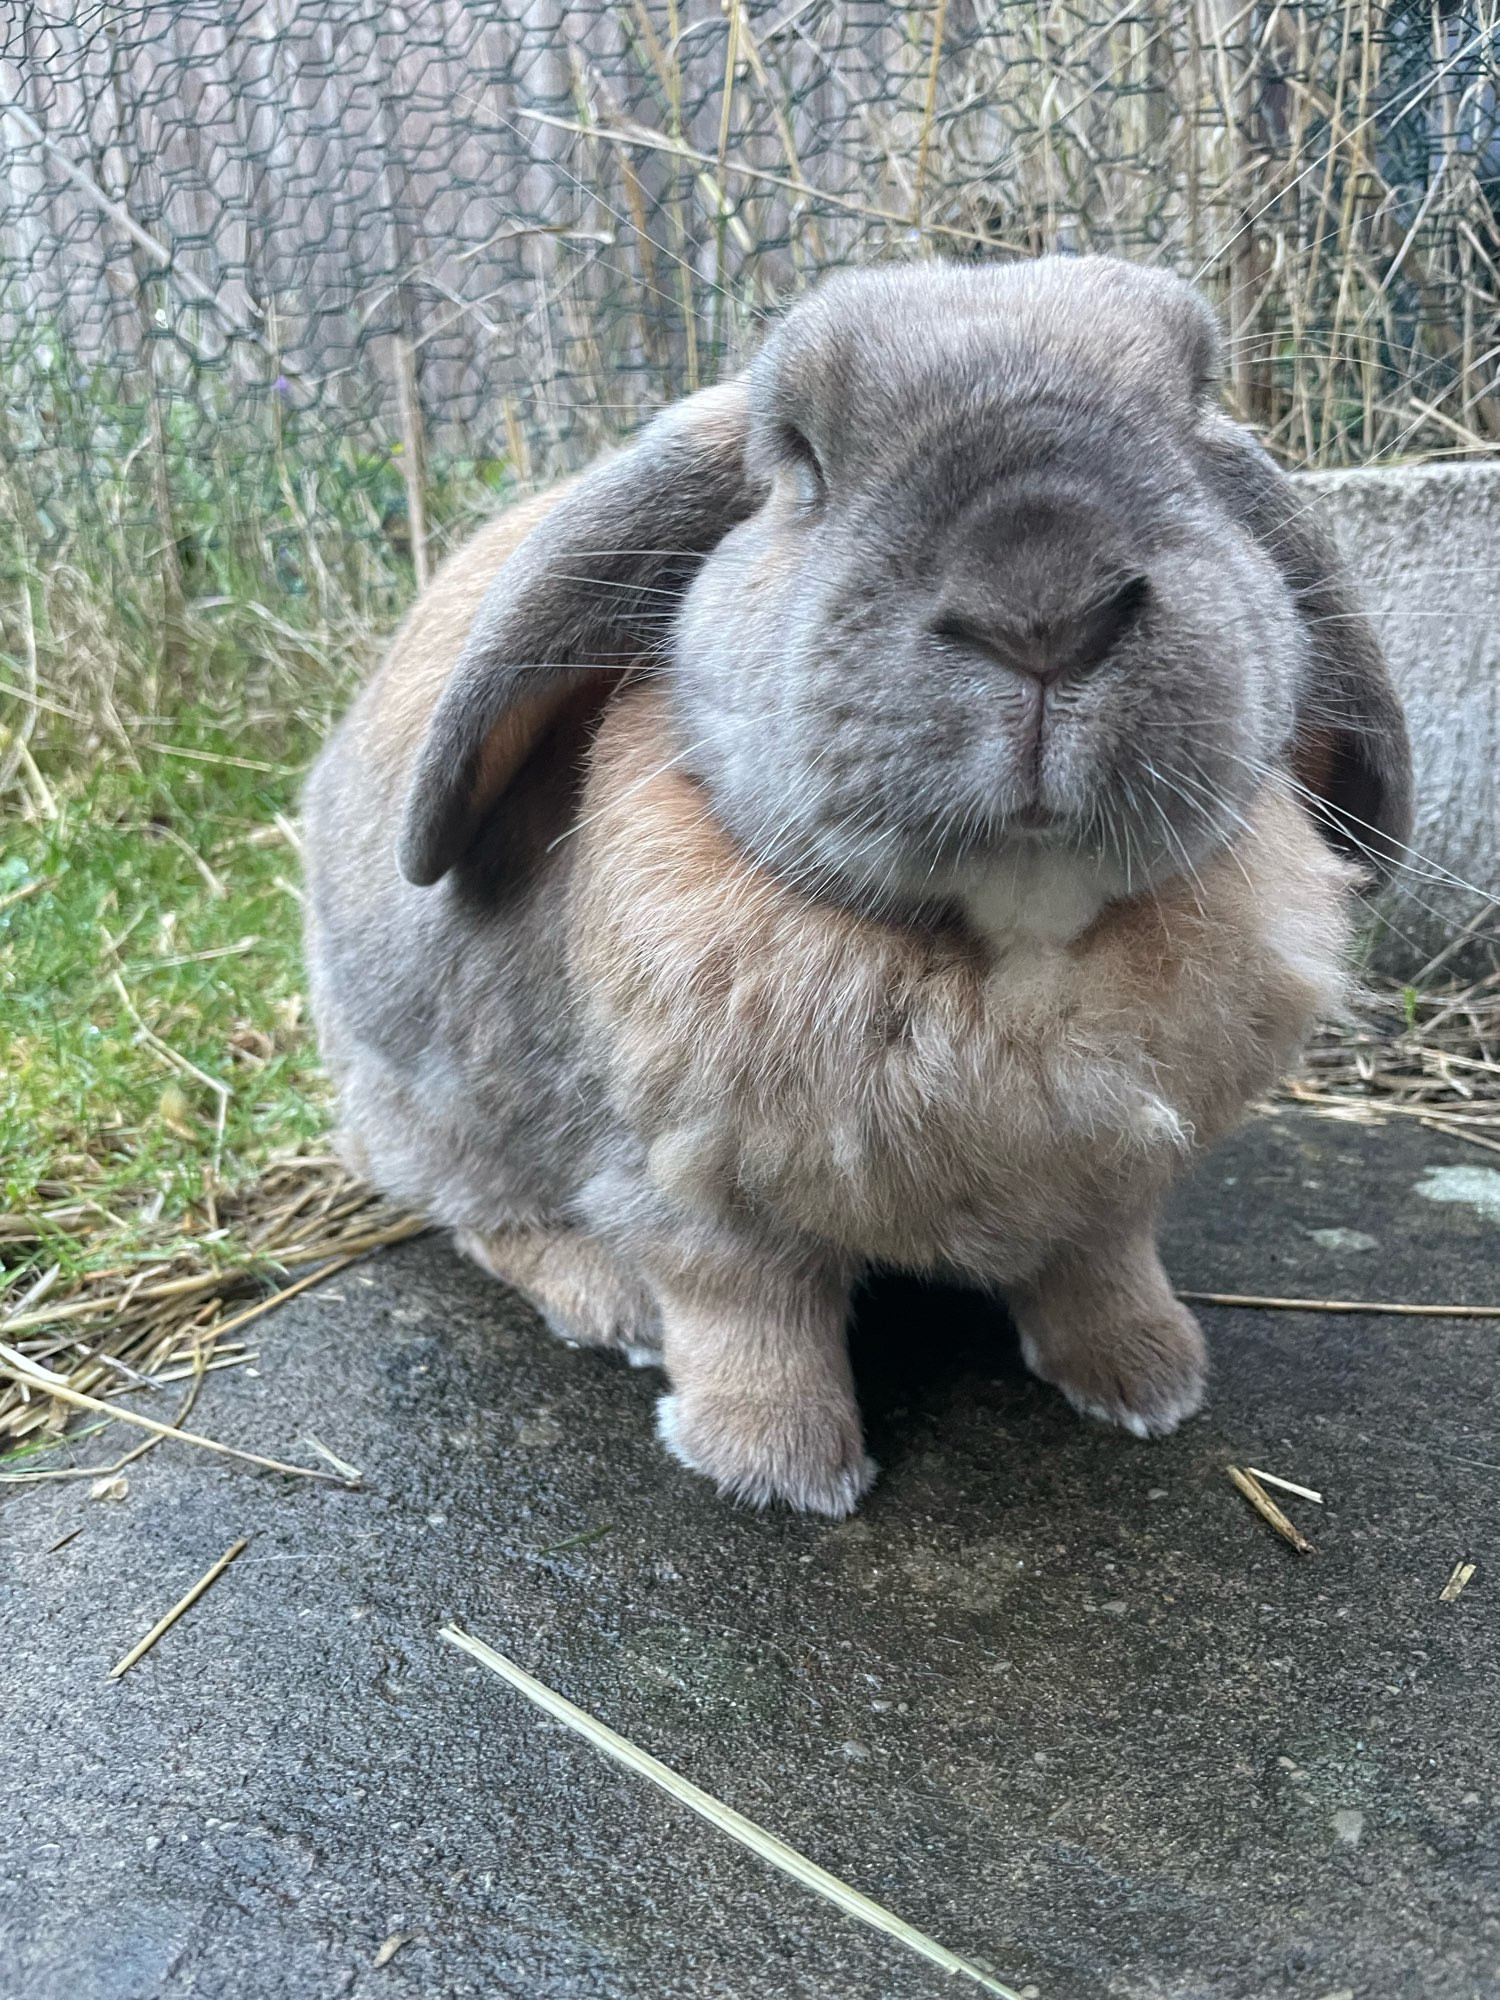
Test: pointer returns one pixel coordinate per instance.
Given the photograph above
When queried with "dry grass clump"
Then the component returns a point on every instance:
(1432, 1055)
(173, 1316)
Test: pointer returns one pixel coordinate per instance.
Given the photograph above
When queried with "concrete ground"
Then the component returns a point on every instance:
(1056, 1696)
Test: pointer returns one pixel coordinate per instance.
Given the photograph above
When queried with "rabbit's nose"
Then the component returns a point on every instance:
(1053, 646)
(1019, 652)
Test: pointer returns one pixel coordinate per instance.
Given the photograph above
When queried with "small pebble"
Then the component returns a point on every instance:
(1348, 1825)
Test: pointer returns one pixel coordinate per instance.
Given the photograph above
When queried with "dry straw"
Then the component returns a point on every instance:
(1458, 1583)
(755, 1838)
(1285, 1485)
(184, 1603)
(1405, 1308)
(1268, 1511)
(29, 1376)
(157, 1319)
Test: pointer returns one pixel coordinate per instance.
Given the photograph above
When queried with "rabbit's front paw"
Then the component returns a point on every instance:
(1145, 1372)
(811, 1455)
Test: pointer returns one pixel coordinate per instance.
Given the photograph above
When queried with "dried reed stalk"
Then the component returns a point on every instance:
(184, 1603)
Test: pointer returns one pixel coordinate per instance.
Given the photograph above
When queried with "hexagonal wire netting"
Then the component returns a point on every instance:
(292, 288)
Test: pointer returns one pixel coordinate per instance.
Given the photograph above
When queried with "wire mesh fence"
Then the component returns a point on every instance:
(292, 289)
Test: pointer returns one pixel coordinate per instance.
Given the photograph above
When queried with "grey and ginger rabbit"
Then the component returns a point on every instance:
(897, 811)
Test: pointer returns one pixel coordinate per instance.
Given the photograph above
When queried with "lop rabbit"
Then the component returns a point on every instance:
(897, 811)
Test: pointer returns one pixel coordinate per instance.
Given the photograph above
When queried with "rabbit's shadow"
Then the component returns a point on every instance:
(920, 1340)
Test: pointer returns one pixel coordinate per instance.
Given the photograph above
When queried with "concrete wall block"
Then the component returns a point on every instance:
(1423, 545)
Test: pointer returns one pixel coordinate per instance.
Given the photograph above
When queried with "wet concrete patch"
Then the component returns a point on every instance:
(1056, 1696)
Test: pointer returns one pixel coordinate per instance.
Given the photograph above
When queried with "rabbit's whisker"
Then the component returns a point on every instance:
(1432, 874)
(1437, 876)
(613, 805)
(1175, 842)
(631, 587)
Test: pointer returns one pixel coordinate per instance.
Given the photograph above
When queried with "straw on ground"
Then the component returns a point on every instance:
(725, 1818)
(1405, 1307)
(1268, 1511)
(30, 1375)
(1463, 1575)
(184, 1603)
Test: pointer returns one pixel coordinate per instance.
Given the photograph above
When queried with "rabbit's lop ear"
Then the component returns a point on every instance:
(1350, 749)
(589, 593)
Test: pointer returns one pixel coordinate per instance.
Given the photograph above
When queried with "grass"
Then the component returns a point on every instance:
(167, 885)
(180, 619)
(159, 1064)
(192, 578)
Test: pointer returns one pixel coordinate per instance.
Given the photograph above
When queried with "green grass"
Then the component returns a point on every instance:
(146, 871)
(190, 582)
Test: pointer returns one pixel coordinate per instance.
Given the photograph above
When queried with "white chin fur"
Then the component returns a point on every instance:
(1039, 893)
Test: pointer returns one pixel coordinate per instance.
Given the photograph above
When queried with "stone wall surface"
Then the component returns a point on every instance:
(1423, 546)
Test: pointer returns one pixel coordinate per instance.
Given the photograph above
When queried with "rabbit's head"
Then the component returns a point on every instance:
(966, 594)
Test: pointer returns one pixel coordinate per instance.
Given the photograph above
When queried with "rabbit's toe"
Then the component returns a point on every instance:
(1147, 1376)
(811, 1456)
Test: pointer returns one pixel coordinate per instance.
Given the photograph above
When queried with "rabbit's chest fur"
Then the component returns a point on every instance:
(918, 1097)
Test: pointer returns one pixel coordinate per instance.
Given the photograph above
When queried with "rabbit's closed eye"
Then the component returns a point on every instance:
(799, 460)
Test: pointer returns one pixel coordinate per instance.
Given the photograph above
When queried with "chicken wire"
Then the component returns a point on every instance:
(371, 265)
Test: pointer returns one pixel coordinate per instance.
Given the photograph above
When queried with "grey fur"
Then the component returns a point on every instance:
(1001, 447)
(584, 591)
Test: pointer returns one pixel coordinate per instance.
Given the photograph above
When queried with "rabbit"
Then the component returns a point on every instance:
(897, 811)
